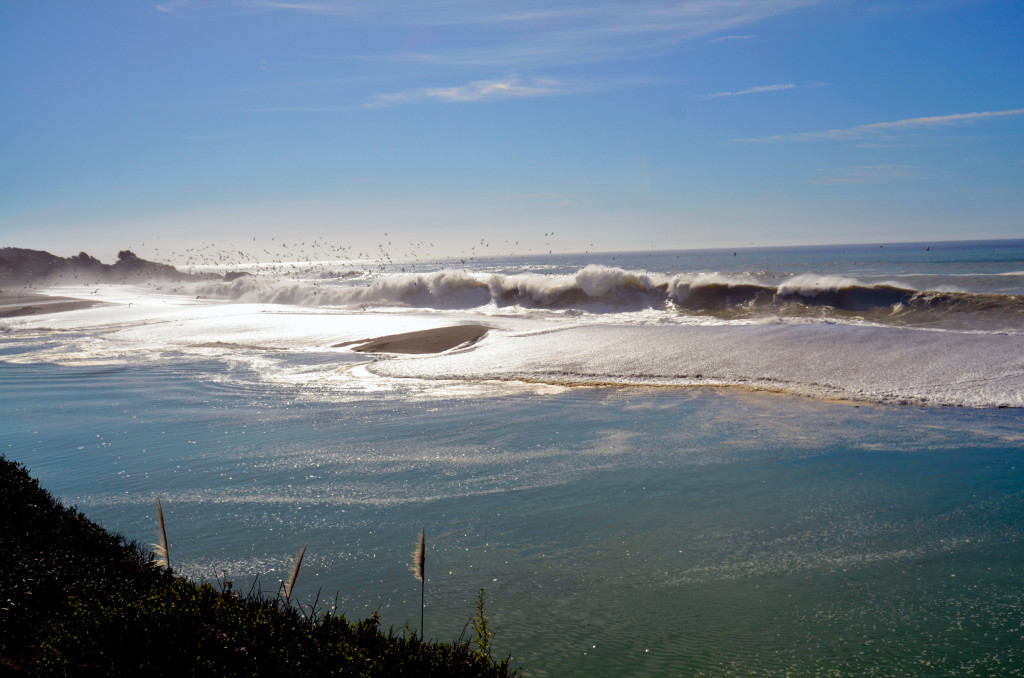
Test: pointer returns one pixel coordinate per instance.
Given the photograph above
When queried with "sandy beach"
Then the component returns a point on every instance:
(423, 341)
(14, 304)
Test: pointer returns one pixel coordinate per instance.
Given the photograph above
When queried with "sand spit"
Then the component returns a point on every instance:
(434, 340)
(15, 305)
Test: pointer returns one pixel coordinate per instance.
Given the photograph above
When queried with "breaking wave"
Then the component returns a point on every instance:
(600, 289)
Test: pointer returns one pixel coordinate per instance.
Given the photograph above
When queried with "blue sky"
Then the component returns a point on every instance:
(615, 125)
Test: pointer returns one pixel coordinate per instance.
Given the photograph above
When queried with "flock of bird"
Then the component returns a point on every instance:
(271, 261)
(319, 257)
(317, 260)
(280, 255)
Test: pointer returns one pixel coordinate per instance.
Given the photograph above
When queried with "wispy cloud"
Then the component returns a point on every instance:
(512, 87)
(726, 38)
(498, 89)
(750, 90)
(219, 7)
(865, 174)
(523, 33)
(881, 128)
(171, 7)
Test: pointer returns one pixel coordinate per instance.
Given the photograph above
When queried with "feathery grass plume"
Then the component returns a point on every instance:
(295, 575)
(419, 561)
(163, 555)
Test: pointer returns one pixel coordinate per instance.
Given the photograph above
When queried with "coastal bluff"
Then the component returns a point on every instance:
(83, 601)
(19, 266)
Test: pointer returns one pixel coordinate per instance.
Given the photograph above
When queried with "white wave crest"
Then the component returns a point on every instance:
(443, 289)
(811, 284)
(449, 289)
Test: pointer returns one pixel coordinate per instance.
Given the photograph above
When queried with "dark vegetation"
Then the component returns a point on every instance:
(78, 600)
(24, 266)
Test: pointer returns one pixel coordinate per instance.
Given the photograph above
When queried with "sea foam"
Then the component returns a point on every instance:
(871, 364)
(603, 289)
(826, 335)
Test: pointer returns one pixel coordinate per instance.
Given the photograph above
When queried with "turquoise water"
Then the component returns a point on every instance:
(617, 532)
(665, 527)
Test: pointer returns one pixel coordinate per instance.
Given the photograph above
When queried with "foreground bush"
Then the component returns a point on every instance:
(77, 600)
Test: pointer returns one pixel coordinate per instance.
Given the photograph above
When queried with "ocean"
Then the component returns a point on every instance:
(761, 461)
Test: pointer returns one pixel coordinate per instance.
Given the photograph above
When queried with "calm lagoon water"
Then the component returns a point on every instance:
(615, 531)
(692, 520)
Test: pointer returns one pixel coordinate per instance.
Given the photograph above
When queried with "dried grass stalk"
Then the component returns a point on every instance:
(163, 555)
(419, 561)
(295, 575)
(419, 556)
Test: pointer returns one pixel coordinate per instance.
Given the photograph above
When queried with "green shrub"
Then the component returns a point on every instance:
(77, 600)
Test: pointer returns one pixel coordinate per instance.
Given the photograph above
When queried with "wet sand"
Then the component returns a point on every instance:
(423, 341)
(14, 304)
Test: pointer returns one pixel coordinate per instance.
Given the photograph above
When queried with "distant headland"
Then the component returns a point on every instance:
(20, 266)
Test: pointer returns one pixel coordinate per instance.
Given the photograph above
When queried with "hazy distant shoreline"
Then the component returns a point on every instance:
(26, 267)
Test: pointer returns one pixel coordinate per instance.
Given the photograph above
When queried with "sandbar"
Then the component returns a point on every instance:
(15, 304)
(433, 340)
